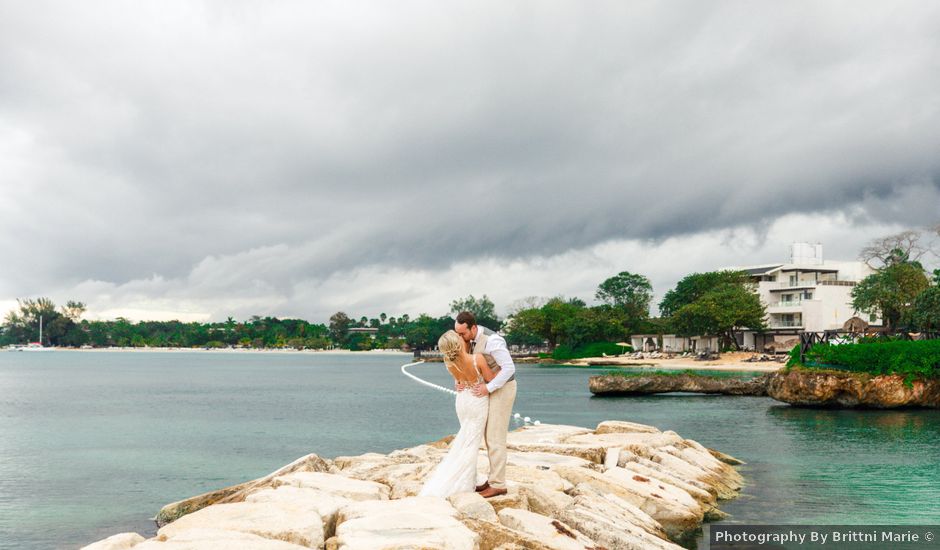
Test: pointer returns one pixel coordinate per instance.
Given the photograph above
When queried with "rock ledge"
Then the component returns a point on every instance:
(614, 385)
(821, 388)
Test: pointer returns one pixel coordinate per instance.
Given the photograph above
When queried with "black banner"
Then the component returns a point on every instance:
(823, 537)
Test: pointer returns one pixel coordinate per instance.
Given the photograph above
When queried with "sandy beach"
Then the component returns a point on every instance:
(734, 361)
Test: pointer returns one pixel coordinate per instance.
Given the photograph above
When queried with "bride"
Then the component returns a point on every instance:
(458, 471)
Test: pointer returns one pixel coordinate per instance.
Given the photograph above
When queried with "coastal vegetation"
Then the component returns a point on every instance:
(594, 349)
(570, 326)
(901, 291)
(64, 327)
(715, 303)
(911, 359)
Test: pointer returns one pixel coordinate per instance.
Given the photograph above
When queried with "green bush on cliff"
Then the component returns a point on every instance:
(911, 359)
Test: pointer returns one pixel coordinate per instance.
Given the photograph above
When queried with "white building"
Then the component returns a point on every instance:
(807, 294)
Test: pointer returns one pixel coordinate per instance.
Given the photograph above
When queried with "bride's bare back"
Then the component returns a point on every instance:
(466, 369)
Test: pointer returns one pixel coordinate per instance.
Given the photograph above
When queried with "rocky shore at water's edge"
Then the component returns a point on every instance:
(646, 384)
(826, 388)
(619, 486)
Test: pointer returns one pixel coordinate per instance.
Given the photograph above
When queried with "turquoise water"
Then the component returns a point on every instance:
(94, 443)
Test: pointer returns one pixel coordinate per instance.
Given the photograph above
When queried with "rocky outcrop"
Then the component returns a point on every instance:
(237, 493)
(621, 485)
(644, 384)
(825, 388)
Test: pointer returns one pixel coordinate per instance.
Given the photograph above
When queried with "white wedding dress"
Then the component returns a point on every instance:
(457, 473)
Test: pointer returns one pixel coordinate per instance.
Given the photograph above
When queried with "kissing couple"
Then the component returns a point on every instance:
(485, 380)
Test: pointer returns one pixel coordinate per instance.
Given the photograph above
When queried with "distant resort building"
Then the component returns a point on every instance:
(807, 294)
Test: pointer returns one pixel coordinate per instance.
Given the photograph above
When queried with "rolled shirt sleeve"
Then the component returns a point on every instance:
(496, 348)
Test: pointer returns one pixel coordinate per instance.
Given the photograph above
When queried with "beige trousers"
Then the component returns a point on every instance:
(497, 427)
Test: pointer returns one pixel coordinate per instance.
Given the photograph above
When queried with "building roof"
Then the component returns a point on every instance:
(758, 270)
(762, 270)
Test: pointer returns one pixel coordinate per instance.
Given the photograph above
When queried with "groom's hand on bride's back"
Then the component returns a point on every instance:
(480, 390)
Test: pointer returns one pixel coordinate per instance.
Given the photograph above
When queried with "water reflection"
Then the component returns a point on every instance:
(875, 427)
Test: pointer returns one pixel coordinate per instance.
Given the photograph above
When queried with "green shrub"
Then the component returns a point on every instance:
(912, 359)
(594, 349)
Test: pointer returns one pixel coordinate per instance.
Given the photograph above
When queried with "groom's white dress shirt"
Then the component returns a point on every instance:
(497, 349)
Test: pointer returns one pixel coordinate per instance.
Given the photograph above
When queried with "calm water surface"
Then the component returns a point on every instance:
(94, 443)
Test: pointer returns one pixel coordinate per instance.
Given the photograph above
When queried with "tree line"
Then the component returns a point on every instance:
(533, 322)
(716, 303)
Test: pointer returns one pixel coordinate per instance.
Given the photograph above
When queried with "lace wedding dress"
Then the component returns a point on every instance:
(457, 473)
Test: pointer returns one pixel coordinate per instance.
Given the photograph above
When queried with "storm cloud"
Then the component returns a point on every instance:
(293, 158)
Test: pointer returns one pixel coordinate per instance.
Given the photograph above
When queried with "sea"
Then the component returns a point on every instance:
(93, 443)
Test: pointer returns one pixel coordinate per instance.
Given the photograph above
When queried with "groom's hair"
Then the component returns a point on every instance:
(467, 318)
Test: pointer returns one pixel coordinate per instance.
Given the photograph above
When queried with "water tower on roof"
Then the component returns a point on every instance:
(806, 253)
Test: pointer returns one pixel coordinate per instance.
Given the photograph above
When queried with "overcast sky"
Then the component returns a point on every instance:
(196, 160)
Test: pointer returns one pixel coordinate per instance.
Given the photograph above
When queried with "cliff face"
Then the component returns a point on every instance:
(659, 383)
(834, 389)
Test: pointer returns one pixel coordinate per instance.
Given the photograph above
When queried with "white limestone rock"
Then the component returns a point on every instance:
(346, 487)
(419, 522)
(674, 509)
(215, 539)
(639, 441)
(326, 505)
(548, 438)
(121, 541)
(271, 520)
(608, 530)
(618, 426)
(549, 531)
(544, 501)
(547, 479)
(474, 506)
(546, 433)
(588, 497)
(236, 493)
(703, 496)
(543, 461)
(688, 475)
(420, 505)
(421, 453)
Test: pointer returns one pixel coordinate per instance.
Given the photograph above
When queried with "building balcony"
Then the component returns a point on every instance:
(788, 285)
(785, 324)
(791, 285)
(786, 306)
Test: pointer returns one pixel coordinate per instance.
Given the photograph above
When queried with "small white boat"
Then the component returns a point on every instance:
(35, 346)
(32, 346)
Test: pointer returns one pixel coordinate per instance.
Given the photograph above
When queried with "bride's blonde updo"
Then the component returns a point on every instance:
(450, 343)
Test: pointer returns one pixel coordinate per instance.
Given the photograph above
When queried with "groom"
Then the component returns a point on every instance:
(502, 392)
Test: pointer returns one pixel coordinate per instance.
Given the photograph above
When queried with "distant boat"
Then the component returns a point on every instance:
(32, 346)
